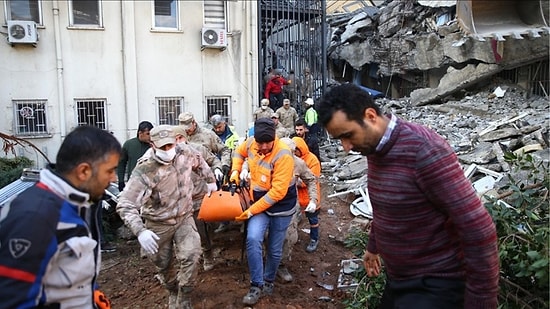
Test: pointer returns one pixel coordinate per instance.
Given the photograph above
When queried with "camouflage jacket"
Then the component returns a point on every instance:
(211, 141)
(162, 192)
(287, 117)
(263, 113)
(199, 182)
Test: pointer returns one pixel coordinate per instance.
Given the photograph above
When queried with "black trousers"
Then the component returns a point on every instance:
(424, 293)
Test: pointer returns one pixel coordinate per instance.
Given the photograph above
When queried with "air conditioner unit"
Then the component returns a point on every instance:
(213, 38)
(22, 31)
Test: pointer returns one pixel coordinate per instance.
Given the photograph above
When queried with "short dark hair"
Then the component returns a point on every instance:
(300, 122)
(85, 144)
(348, 98)
(145, 126)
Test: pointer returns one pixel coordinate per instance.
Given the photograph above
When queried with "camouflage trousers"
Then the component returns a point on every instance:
(291, 237)
(177, 260)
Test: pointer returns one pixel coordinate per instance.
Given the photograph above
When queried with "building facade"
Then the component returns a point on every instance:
(112, 64)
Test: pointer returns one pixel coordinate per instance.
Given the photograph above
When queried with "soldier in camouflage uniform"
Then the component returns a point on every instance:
(280, 130)
(206, 137)
(264, 111)
(157, 207)
(201, 188)
(287, 116)
(305, 175)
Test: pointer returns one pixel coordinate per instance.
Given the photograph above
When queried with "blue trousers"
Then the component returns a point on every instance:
(425, 293)
(257, 226)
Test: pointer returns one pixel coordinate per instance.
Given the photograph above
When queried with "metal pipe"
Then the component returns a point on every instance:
(59, 69)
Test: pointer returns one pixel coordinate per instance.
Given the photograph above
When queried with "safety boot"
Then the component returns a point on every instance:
(184, 298)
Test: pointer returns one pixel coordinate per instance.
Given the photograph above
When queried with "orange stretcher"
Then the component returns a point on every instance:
(224, 205)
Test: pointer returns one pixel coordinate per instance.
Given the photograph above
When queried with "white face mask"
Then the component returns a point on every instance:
(166, 156)
(264, 107)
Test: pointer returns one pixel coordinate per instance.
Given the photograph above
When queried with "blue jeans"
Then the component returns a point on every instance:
(257, 226)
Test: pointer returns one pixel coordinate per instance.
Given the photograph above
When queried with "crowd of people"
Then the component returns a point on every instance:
(430, 231)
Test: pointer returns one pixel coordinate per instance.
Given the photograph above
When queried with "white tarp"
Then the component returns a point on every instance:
(437, 3)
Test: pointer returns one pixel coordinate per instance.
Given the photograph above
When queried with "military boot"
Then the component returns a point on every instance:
(184, 298)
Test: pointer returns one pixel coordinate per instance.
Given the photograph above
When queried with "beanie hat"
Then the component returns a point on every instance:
(264, 130)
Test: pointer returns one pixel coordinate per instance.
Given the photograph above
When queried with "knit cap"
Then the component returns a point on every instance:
(264, 130)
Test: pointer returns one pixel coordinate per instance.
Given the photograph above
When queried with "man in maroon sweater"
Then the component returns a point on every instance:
(437, 242)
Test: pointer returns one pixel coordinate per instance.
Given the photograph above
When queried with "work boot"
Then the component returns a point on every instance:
(207, 263)
(173, 300)
(253, 296)
(284, 274)
(267, 289)
(312, 245)
(184, 298)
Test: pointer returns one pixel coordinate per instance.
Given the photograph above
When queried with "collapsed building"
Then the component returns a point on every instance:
(431, 50)
(481, 80)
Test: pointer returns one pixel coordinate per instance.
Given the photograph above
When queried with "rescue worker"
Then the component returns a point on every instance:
(304, 179)
(156, 206)
(273, 196)
(287, 116)
(311, 210)
(264, 111)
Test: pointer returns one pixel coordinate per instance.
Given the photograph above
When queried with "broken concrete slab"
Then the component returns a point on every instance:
(453, 81)
(482, 154)
(500, 134)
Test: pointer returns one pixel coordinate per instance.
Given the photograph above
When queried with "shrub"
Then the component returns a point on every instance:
(11, 169)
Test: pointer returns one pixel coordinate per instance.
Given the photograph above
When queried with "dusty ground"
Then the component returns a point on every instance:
(129, 281)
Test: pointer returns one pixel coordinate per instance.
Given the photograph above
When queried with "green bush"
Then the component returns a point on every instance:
(521, 216)
(11, 169)
(369, 291)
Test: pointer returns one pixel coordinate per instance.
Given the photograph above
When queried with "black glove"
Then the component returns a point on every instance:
(121, 186)
(225, 170)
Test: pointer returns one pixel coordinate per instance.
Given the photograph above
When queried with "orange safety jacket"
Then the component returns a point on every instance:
(272, 182)
(314, 165)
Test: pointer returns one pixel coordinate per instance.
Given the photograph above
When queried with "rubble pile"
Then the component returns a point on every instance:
(405, 36)
(480, 127)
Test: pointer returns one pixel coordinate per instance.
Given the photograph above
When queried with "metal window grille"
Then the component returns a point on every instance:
(91, 113)
(214, 14)
(220, 106)
(169, 109)
(30, 117)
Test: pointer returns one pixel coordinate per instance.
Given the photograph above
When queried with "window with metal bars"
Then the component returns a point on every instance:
(24, 10)
(218, 105)
(214, 14)
(169, 109)
(30, 117)
(91, 112)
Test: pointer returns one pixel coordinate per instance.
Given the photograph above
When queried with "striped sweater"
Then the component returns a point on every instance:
(428, 220)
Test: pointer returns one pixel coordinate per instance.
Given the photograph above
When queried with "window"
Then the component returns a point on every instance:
(165, 13)
(214, 14)
(85, 13)
(169, 109)
(220, 106)
(30, 117)
(91, 112)
(30, 10)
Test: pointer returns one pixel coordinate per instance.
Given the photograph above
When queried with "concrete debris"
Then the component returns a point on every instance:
(410, 40)
(479, 127)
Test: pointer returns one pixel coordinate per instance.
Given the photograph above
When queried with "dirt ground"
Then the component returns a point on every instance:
(129, 281)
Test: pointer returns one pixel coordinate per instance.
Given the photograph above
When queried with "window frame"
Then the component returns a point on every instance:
(102, 101)
(209, 112)
(99, 25)
(17, 116)
(175, 110)
(205, 19)
(7, 11)
(154, 26)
